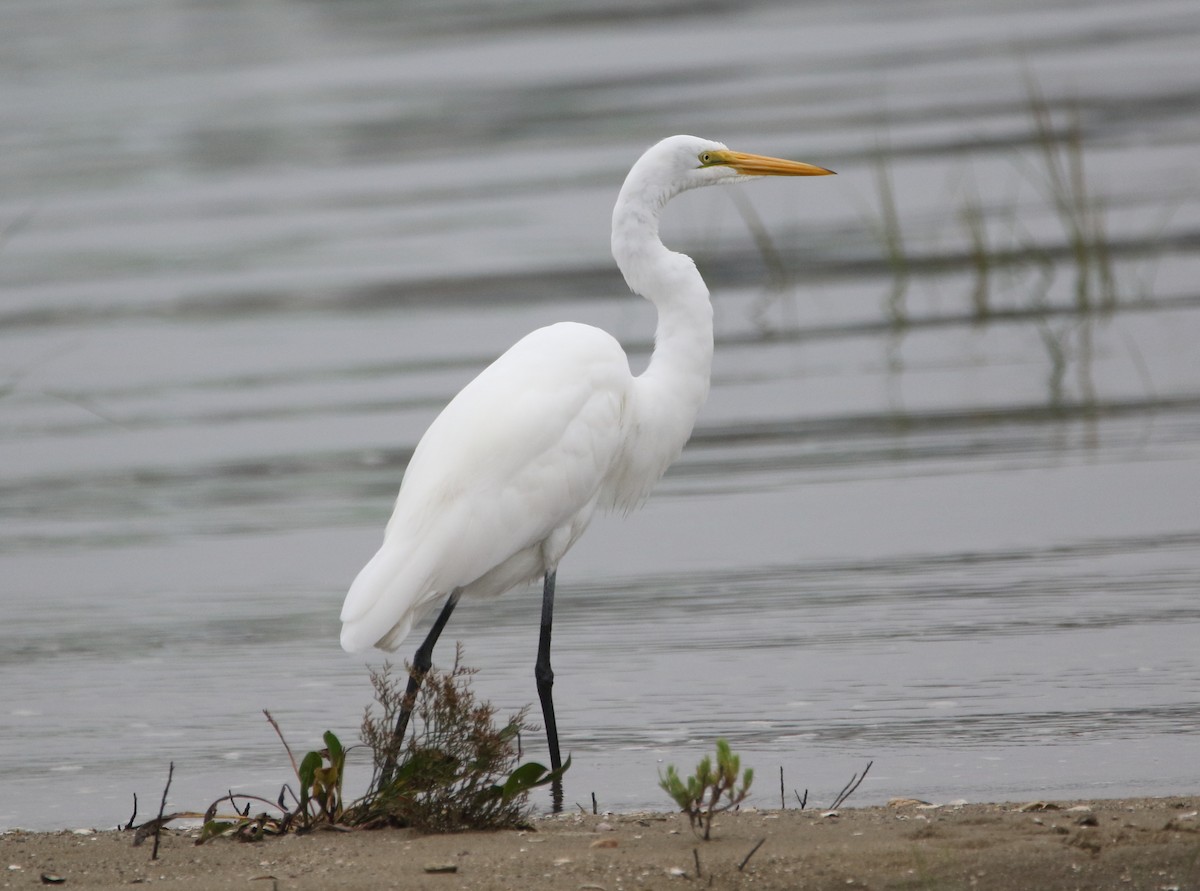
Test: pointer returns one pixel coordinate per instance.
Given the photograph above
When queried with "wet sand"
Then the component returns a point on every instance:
(1151, 844)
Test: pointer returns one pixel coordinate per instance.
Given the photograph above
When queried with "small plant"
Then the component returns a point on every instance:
(319, 775)
(457, 769)
(701, 795)
(321, 782)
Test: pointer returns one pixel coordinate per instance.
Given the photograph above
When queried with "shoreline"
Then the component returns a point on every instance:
(1132, 843)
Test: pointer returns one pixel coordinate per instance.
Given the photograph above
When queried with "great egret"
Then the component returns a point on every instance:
(508, 476)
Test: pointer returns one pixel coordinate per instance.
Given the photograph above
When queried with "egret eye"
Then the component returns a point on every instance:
(706, 159)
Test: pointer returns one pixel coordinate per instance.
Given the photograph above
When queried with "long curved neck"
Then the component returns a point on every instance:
(670, 392)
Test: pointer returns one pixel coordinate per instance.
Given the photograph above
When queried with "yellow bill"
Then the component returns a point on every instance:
(761, 165)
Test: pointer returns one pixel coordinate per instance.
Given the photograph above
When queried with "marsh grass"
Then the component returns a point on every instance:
(888, 230)
(780, 279)
(1064, 185)
(980, 256)
(1003, 258)
(1059, 177)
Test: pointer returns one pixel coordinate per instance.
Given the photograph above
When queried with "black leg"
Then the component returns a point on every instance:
(421, 663)
(545, 686)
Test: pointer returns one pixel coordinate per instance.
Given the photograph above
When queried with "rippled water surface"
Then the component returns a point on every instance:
(941, 511)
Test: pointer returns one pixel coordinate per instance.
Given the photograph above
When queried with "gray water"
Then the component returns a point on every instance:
(937, 514)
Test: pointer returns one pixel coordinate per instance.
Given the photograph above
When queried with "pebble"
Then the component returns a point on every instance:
(1037, 806)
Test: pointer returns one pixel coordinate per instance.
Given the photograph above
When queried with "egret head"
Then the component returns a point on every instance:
(675, 165)
(679, 163)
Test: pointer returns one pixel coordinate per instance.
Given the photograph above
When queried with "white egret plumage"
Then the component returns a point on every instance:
(507, 477)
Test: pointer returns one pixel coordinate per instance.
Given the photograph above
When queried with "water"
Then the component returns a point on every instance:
(250, 249)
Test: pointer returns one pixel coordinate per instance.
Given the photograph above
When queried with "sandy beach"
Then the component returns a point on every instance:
(1151, 844)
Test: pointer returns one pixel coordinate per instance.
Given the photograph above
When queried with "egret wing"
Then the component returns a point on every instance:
(510, 467)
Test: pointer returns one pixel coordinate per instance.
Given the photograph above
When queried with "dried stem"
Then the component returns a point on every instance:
(746, 859)
(162, 807)
(286, 747)
(848, 789)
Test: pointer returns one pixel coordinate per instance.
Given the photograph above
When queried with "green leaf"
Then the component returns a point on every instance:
(308, 769)
(308, 772)
(529, 776)
(214, 828)
(557, 774)
(337, 755)
(523, 779)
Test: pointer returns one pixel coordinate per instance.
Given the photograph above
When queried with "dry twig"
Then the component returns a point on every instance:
(286, 747)
(162, 806)
(746, 859)
(848, 789)
(128, 826)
